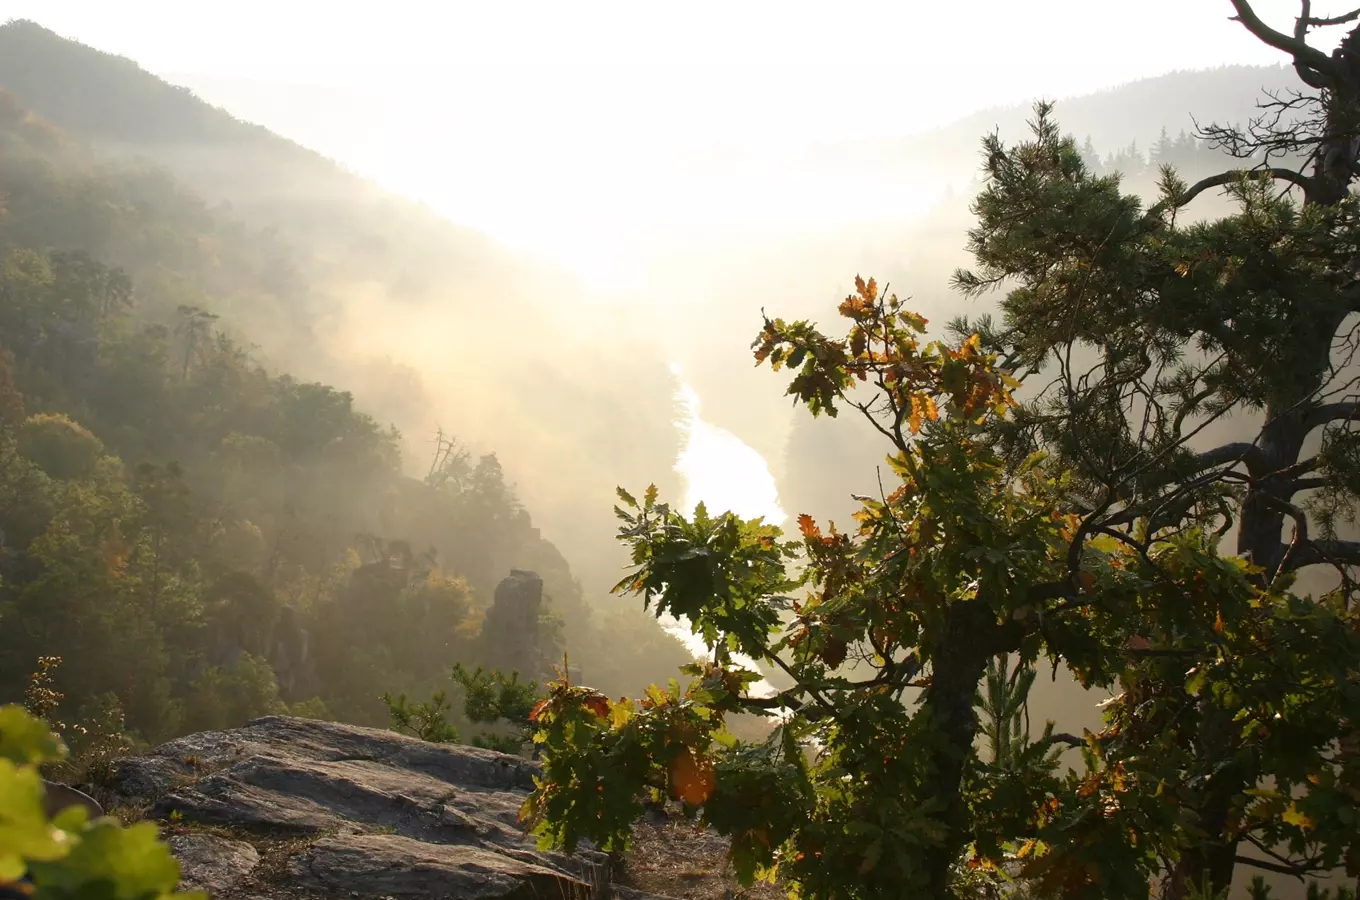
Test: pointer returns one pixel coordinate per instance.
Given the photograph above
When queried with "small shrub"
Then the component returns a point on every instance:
(427, 721)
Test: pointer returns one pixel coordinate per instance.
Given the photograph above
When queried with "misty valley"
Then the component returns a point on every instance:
(997, 544)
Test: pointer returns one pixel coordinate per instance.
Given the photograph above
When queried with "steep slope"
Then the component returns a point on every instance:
(427, 323)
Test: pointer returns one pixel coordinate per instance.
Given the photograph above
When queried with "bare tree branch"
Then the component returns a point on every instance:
(1238, 451)
(1334, 20)
(1296, 871)
(1304, 55)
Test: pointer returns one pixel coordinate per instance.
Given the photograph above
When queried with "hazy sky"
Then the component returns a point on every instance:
(574, 127)
(730, 68)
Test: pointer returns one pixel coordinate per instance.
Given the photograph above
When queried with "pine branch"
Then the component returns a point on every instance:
(1238, 451)
(1266, 865)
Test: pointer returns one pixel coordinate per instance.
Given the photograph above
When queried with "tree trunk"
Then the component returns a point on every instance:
(959, 663)
(1209, 861)
(1281, 442)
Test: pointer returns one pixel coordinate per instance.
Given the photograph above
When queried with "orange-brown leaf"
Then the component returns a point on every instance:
(914, 420)
(859, 341)
(692, 777)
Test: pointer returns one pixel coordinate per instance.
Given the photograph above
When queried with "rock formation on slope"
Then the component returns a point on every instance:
(512, 624)
(289, 808)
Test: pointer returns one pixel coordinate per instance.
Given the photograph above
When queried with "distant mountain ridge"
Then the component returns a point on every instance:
(1138, 110)
(1111, 118)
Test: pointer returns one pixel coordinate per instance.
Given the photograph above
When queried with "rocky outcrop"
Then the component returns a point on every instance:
(289, 808)
(512, 623)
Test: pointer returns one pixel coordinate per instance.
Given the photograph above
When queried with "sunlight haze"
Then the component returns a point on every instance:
(591, 132)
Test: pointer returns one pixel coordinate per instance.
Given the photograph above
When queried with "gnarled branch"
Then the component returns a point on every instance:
(1238, 451)
(1326, 413)
(1310, 22)
(1298, 872)
(1304, 56)
(1336, 552)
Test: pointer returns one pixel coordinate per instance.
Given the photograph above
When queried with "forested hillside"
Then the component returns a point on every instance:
(202, 537)
(329, 278)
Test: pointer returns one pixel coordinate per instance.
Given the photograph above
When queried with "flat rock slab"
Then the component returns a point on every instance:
(292, 808)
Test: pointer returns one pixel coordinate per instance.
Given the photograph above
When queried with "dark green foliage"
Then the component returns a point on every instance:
(491, 698)
(63, 449)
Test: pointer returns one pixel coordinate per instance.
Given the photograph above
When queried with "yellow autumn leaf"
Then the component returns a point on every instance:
(620, 713)
(932, 412)
(1296, 816)
(922, 408)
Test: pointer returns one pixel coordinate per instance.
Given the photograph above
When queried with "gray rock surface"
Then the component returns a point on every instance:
(210, 862)
(290, 808)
